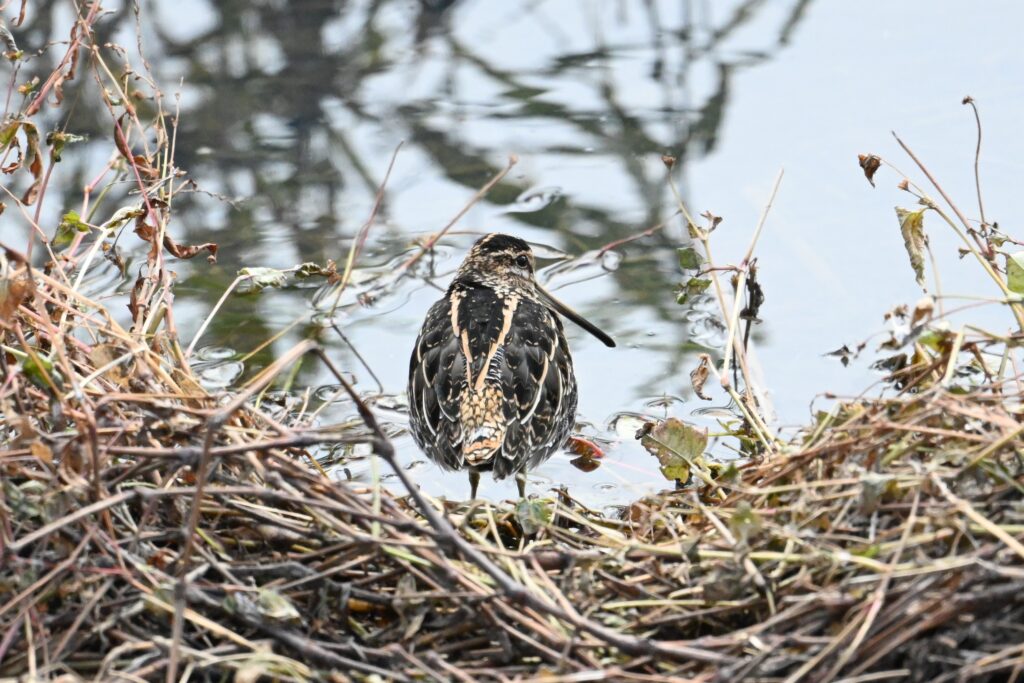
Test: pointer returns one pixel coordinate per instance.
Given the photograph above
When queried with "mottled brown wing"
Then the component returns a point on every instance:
(540, 389)
(532, 367)
(437, 372)
(435, 369)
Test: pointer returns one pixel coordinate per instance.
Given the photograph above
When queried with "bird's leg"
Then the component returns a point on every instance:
(521, 483)
(474, 481)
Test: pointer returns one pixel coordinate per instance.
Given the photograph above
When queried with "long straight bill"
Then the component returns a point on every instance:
(572, 315)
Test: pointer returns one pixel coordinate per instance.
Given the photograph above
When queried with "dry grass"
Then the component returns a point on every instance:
(152, 531)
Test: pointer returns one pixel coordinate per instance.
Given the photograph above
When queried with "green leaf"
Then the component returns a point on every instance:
(689, 258)
(37, 374)
(8, 132)
(533, 515)
(676, 445)
(1015, 272)
(262, 278)
(70, 223)
(914, 239)
(691, 288)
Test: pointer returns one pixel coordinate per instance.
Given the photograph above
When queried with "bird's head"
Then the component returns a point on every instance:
(505, 262)
(498, 259)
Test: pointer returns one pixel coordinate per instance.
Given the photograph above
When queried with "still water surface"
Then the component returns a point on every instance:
(290, 112)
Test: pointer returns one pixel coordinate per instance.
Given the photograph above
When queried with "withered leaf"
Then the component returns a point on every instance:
(34, 161)
(11, 50)
(310, 269)
(14, 288)
(122, 216)
(112, 254)
(712, 220)
(135, 306)
(32, 193)
(58, 139)
(119, 140)
(149, 234)
(585, 464)
(105, 354)
(699, 376)
(675, 444)
(16, 161)
(190, 250)
(42, 452)
(923, 310)
(260, 278)
(31, 159)
(584, 447)
(843, 353)
(914, 238)
(589, 454)
(870, 163)
(755, 295)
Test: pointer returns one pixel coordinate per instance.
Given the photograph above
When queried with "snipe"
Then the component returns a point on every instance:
(491, 383)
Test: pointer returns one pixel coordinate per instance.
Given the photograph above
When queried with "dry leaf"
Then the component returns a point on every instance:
(699, 376)
(42, 452)
(15, 287)
(922, 310)
(870, 163)
(675, 444)
(914, 239)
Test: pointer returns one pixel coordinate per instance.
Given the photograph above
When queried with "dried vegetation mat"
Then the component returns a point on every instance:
(152, 531)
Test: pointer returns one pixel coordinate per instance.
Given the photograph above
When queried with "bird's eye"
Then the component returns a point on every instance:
(523, 261)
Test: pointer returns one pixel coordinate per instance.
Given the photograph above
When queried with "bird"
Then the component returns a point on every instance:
(491, 381)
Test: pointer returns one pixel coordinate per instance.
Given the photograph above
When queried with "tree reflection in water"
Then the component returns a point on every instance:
(292, 109)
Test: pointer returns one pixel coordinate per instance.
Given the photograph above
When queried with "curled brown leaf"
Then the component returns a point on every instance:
(183, 251)
(870, 163)
(914, 238)
(699, 376)
(15, 287)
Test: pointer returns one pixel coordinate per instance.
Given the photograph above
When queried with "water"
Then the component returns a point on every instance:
(290, 113)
